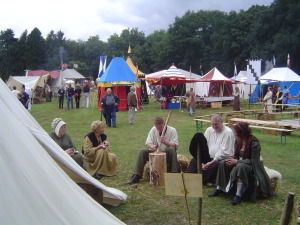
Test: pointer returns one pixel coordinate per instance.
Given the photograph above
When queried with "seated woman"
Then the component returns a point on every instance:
(97, 157)
(64, 140)
(239, 170)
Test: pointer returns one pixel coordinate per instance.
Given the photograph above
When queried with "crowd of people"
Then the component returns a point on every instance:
(276, 96)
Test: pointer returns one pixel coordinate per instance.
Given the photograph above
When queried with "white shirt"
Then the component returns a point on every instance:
(170, 136)
(15, 92)
(220, 144)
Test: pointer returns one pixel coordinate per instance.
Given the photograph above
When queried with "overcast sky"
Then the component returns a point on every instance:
(80, 19)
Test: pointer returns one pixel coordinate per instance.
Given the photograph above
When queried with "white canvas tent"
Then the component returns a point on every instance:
(31, 82)
(244, 87)
(35, 190)
(281, 74)
(284, 76)
(67, 74)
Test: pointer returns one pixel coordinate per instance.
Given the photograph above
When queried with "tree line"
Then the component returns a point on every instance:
(199, 40)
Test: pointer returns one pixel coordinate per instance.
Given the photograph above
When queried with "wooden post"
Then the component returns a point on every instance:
(199, 169)
(288, 208)
(158, 166)
(164, 130)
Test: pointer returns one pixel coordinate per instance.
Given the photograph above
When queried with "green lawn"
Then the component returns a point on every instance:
(150, 204)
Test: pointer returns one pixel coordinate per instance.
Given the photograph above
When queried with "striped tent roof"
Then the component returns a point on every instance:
(173, 72)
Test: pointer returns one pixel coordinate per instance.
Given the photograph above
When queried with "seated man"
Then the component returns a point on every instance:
(168, 143)
(220, 141)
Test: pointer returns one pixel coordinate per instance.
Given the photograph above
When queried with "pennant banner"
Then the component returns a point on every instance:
(102, 65)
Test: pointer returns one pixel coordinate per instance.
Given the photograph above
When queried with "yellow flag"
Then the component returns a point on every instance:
(129, 50)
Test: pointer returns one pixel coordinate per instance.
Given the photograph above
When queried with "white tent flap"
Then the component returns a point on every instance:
(35, 190)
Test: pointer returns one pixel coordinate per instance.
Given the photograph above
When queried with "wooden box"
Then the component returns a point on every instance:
(216, 105)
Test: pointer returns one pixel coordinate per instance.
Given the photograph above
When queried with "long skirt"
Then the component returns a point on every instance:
(227, 176)
(104, 163)
(236, 103)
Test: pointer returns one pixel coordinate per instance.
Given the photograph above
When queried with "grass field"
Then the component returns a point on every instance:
(150, 204)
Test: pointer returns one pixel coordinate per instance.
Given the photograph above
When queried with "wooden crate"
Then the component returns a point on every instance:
(216, 105)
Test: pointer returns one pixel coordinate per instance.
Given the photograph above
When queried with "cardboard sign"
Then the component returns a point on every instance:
(181, 184)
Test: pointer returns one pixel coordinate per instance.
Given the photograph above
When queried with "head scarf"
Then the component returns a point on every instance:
(56, 125)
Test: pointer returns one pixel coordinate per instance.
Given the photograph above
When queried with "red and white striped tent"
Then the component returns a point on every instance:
(219, 85)
(171, 76)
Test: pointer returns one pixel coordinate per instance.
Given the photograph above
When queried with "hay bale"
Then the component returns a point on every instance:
(266, 116)
(216, 105)
(182, 162)
(297, 115)
(146, 174)
(274, 132)
(231, 116)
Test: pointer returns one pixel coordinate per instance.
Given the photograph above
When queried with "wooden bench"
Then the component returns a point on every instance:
(200, 121)
(200, 117)
(260, 124)
(282, 132)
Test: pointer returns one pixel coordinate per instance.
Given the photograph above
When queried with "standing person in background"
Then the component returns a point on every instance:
(268, 101)
(77, 95)
(15, 91)
(109, 105)
(278, 100)
(285, 97)
(132, 104)
(191, 103)
(28, 91)
(48, 93)
(86, 95)
(25, 98)
(70, 93)
(236, 100)
(61, 94)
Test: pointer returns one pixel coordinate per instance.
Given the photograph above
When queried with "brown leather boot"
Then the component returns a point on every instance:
(134, 179)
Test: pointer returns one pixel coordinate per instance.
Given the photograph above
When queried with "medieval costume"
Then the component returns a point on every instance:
(249, 169)
(100, 161)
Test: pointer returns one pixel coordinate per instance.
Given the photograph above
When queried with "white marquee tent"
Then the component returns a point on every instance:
(31, 82)
(35, 190)
(281, 74)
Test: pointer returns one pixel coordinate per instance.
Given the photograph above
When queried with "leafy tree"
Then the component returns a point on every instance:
(36, 50)
(55, 49)
(94, 47)
(20, 57)
(8, 51)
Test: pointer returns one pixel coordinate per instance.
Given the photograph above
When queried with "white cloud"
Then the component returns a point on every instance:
(81, 19)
